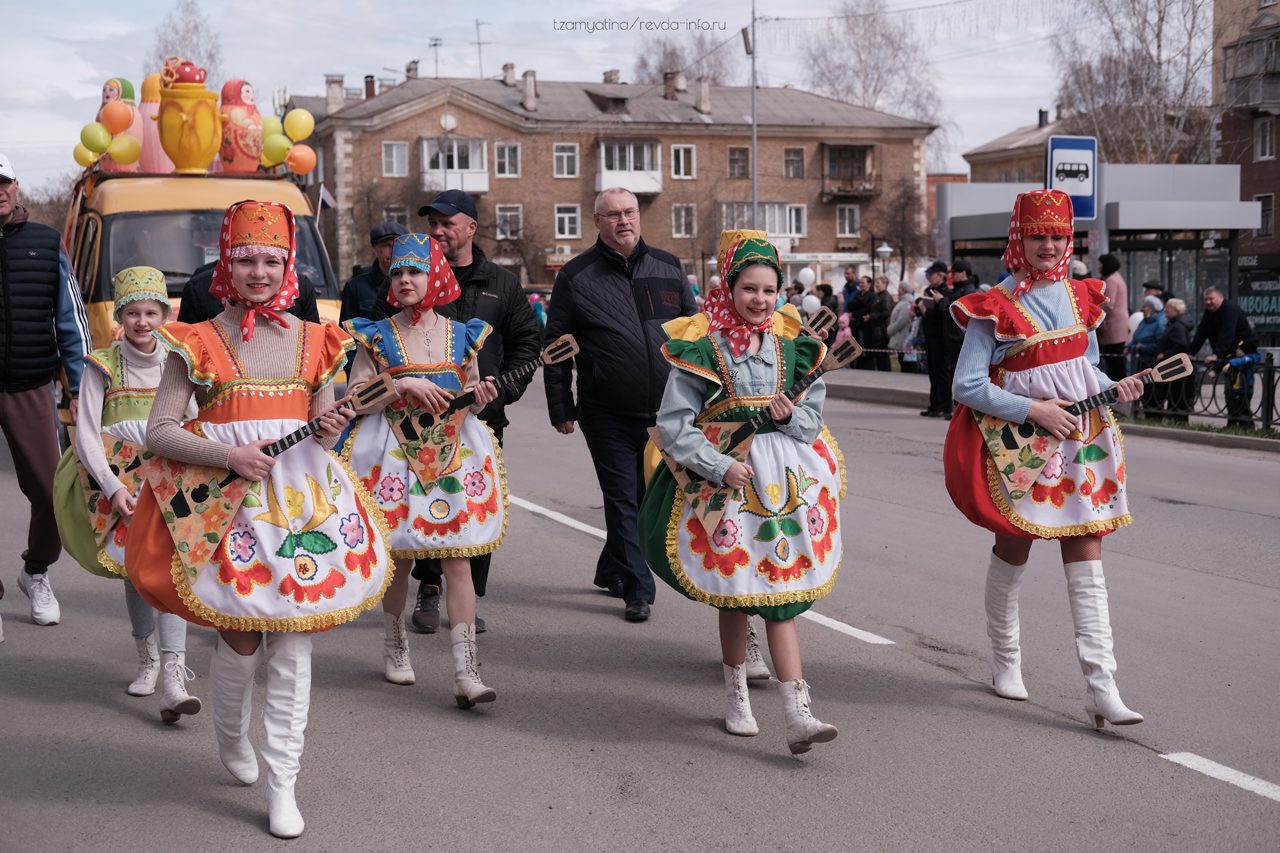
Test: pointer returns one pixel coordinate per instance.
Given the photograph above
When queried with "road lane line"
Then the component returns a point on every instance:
(1224, 773)
(856, 633)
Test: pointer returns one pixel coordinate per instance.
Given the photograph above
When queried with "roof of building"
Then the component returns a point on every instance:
(624, 104)
(1032, 136)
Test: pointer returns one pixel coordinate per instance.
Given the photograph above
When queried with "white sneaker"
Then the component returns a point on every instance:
(44, 607)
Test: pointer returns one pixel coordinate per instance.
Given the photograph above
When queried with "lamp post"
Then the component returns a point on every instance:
(448, 124)
(883, 251)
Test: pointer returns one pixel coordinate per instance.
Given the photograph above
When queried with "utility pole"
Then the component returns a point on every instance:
(479, 52)
(755, 159)
(434, 44)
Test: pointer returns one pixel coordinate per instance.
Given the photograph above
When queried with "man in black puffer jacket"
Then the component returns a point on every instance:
(42, 326)
(614, 298)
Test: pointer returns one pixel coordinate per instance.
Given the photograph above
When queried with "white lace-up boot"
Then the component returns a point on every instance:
(757, 669)
(1087, 592)
(1003, 581)
(468, 689)
(395, 651)
(737, 714)
(231, 699)
(288, 700)
(148, 667)
(803, 728)
(175, 700)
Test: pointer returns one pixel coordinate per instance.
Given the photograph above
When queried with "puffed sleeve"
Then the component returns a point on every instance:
(334, 344)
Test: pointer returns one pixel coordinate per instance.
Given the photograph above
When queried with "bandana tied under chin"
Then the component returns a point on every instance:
(421, 252)
(1038, 213)
(250, 228)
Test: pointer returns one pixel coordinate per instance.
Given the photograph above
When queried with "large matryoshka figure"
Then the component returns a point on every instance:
(241, 128)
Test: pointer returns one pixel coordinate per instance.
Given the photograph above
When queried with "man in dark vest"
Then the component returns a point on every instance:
(38, 293)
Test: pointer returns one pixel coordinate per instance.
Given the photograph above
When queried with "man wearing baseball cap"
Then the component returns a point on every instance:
(361, 292)
(38, 292)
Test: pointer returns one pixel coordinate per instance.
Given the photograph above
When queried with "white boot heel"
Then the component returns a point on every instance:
(738, 719)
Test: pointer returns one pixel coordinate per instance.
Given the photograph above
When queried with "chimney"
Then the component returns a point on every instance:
(509, 74)
(668, 85)
(682, 82)
(613, 75)
(411, 70)
(530, 100)
(333, 94)
(1044, 118)
(370, 86)
(704, 96)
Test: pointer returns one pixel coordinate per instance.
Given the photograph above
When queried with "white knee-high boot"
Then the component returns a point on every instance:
(1087, 592)
(231, 700)
(1003, 581)
(288, 699)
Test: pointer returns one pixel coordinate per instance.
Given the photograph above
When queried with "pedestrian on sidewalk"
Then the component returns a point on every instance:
(1178, 332)
(757, 561)
(1041, 334)
(900, 320)
(934, 325)
(97, 483)
(1114, 332)
(1226, 329)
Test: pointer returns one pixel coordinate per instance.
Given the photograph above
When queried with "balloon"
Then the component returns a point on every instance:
(95, 137)
(806, 276)
(811, 305)
(124, 149)
(271, 126)
(298, 124)
(275, 149)
(301, 159)
(84, 156)
(116, 116)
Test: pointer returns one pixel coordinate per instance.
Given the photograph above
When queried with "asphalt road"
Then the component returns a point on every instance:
(607, 735)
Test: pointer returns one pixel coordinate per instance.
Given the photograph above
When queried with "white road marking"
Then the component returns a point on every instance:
(856, 633)
(1224, 773)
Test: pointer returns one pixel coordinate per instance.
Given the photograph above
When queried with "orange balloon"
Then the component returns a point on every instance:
(301, 159)
(116, 116)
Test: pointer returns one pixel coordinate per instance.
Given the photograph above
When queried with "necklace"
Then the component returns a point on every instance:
(426, 333)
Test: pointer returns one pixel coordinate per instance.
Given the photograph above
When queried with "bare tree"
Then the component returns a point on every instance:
(899, 218)
(48, 202)
(1136, 75)
(859, 59)
(187, 32)
(701, 55)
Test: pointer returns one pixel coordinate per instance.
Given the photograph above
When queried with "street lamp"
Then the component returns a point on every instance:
(883, 251)
(448, 124)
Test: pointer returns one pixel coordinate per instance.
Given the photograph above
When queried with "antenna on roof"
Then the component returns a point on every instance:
(478, 43)
(434, 44)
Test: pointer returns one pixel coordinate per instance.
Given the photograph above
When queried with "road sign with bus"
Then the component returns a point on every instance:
(1071, 165)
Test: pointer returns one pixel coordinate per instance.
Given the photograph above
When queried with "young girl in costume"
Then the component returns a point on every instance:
(97, 482)
(225, 535)
(1029, 350)
(441, 489)
(777, 548)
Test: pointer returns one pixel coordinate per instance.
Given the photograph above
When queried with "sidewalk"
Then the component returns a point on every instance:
(911, 390)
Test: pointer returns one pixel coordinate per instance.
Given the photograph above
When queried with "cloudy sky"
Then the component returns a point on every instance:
(992, 60)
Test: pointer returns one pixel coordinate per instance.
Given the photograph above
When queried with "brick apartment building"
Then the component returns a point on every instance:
(534, 153)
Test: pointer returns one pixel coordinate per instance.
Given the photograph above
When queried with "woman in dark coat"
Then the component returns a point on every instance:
(1176, 339)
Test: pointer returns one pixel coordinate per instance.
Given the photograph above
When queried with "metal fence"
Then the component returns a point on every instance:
(1217, 396)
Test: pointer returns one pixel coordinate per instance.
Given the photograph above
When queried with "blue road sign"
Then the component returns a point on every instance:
(1071, 165)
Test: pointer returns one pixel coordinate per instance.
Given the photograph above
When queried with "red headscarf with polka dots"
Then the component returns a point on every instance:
(250, 228)
(420, 251)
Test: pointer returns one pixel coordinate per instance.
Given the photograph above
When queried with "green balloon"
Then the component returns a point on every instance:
(275, 148)
(271, 126)
(95, 137)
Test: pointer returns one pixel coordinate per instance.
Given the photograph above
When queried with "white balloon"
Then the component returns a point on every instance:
(806, 276)
(811, 305)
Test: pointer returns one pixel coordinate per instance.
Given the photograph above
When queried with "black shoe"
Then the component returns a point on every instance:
(612, 585)
(426, 611)
(930, 413)
(480, 626)
(946, 416)
(637, 611)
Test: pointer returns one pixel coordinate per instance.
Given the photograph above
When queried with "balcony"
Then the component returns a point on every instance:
(1252, 71)
(848, 172)
(471, 181)
(851, 188)
(464, 166)
(635, 165)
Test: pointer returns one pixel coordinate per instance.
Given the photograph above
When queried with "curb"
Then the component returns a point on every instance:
(920, 400)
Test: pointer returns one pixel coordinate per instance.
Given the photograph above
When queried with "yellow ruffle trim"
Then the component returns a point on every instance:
(110, 565)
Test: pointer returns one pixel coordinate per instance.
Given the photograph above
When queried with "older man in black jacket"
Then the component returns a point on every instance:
(614, 298)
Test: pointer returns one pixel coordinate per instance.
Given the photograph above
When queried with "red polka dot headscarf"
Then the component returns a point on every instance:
(1036, 213)
(421, 252)
(250, 228)
(739, 249)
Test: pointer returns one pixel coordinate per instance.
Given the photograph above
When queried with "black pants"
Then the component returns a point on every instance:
(616, 443)
(1113, 360)
(939, 376)
(429, 571)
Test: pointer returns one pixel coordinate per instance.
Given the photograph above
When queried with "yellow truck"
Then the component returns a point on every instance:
(171, 222)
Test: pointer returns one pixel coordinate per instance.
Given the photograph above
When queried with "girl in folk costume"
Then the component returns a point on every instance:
(97, 482)
(440, 486)
(777, 547)
(1029, 351)
(290, 545)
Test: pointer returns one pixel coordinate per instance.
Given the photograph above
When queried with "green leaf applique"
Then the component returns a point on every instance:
(316, 542)
(768, 531)
(1090, 453)
(790, 526)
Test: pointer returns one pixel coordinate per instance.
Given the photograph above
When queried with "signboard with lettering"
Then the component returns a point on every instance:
(1258, 291)
(1071, 165)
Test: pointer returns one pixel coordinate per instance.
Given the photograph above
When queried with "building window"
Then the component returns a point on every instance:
(778, 218)
(847, 162)
(396, 213)
(629, 156)
(739, 162)
(793, 162)
(1264, 138)
(566, 159)
(683, 165)
(506, 159)
(1267, 224)
(848, 220)
(682, 220)
(395, 159)
(510, 220)
(568, 221)
(461, 155)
